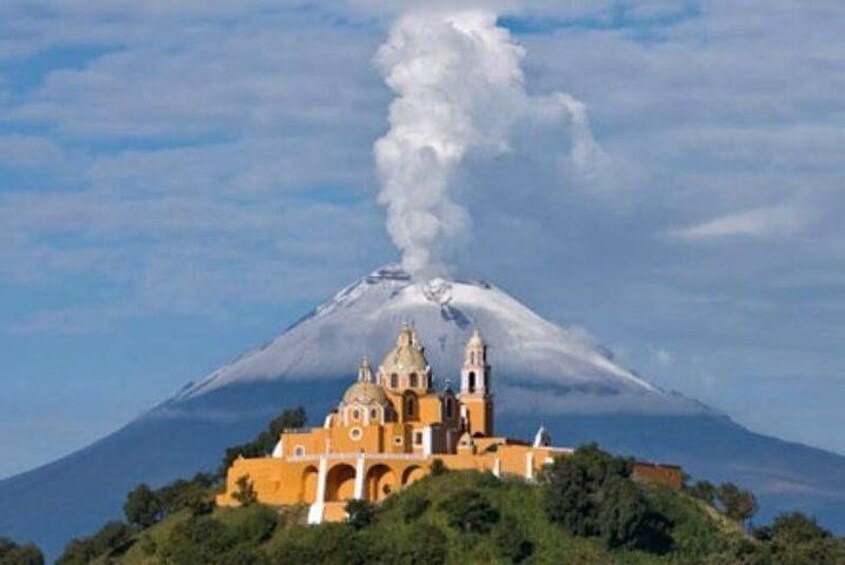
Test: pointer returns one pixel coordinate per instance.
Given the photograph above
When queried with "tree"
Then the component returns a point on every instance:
(470, 512)
(510, 540)
(142, 507)
(590, 493)
(736, 503)
(425, 544)
(704, 490)
(437, 467)
(245, 493)
(12, 553)
(796, 538)
(265, 441)
(360, 513)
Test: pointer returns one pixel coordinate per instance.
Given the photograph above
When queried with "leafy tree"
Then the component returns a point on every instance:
(437, 467)
(360, 513)
(590, 493)
(111, 538)
(265, 441)
(796, 538)
(245, 493)
(258, 526)
(736, 503)
(510, 540)
(575, 488)
(142, 507)
(469, 511)
(703, 490)
(12, 553)
(415, 505)
(425, 544)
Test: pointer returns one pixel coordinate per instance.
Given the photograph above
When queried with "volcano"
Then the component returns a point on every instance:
(542, 374)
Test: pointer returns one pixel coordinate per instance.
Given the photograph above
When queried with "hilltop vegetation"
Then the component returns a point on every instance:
(586, 509)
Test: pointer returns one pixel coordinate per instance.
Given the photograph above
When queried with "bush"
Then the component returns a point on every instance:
(110, 538)
(425, 544)
(245, 493)
(263, 444)
(437, 468)
(736, 503)
(510, 540)
(703, 490)
(142, 507)
(468, 511)
(360, 513)
(796, 538)
(415, 505)
(258, 526)
(12, 553)
(590, 493)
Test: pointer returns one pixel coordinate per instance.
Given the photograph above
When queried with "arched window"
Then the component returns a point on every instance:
(450, 408)
(414, 381)
(394, 381)
(374, 414)
(410, 407)
(471, 381)
(356, 415)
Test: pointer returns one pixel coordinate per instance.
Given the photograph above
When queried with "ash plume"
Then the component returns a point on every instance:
(460, 93)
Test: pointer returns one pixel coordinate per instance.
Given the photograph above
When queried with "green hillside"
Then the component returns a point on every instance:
(587, 508)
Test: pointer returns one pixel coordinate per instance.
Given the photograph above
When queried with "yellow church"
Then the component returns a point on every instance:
(389, 428)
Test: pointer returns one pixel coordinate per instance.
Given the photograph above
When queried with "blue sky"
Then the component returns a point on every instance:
(179, 182)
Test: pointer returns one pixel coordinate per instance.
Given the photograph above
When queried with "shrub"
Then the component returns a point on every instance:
(469, 511)
(590, 493)
(425, 544)
(360, 513)
(796, 538)
(437, 467)
(266, 440)
(142, 507)
(245, 493)
(510, 540)
(12, 553)
(415, 505)
(258, 526)
(703, 490)
(736, 503)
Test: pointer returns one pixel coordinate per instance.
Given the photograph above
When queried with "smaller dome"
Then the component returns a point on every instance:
(364, 392)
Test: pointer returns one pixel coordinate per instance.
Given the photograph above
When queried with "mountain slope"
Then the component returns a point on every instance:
(541, 373)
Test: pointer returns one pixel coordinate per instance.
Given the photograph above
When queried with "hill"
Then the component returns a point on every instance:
(542, 374)
(587, 509)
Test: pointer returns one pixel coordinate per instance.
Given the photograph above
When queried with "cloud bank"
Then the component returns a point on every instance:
(460, 93)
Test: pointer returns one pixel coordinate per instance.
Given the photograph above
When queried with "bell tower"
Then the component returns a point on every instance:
(476, 396)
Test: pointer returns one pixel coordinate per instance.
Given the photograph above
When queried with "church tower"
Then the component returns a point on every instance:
(476, 396)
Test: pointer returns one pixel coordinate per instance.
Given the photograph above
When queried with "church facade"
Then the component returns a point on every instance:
(388, 429)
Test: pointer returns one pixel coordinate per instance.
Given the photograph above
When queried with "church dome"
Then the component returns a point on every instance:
(407, 357)
(364, 393)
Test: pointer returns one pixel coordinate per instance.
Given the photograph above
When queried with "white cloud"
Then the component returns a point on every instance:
(764, 222)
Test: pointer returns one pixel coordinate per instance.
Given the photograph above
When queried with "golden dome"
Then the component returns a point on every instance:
(407, 357)
(364, 393)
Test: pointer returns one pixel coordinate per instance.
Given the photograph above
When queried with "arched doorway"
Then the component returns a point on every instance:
(308, 485)
(412, 474)
(381, 482)
(340, 483)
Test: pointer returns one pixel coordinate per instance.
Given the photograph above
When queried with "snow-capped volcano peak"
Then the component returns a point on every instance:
(536, 364)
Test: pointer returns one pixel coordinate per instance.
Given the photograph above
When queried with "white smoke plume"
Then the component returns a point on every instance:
(460, 92)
